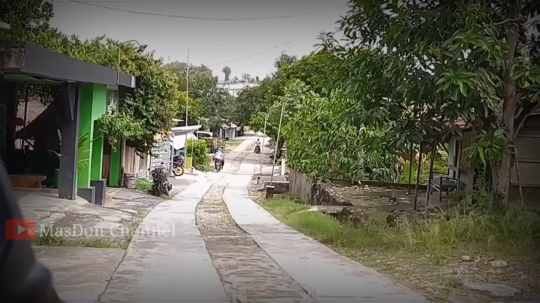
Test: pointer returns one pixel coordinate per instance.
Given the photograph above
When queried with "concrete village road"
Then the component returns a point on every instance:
(223, 247)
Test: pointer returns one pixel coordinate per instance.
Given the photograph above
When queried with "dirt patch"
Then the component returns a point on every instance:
(446, 280)
(372, 199)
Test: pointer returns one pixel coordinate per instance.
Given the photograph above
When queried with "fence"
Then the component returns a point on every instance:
(142, 164)
(134, 162)
(302, 188)
(162, 155)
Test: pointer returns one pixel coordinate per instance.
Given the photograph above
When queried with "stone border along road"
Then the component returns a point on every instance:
(248, 274)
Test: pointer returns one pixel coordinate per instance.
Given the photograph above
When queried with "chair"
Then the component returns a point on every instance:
(447, 184)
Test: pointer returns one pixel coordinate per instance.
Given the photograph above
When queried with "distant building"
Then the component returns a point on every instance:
(234, 87)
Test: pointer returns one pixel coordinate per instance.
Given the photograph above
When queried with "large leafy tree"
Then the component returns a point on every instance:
(25, 14)
(420, 65)
(201, 82)
(211, 104)
(250, 101)
(157, 97)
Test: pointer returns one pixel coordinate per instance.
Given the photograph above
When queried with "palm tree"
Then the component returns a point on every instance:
(227, 71)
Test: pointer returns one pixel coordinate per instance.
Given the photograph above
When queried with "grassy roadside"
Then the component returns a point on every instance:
(434, 256)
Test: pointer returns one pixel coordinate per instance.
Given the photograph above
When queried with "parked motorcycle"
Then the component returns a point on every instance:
(160, 182)
(178, 166)
(258, 149)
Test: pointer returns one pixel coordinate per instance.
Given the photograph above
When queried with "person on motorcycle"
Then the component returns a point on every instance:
(257, 146)
(219, 155)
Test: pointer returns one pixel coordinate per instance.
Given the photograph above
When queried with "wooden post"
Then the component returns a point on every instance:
(430, 176)
(270, 191)
(411, 157)
(415, 203)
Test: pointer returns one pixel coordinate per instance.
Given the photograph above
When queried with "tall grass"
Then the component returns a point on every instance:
(464, 228)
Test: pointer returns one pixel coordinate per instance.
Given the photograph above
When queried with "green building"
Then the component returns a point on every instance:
(86, 163)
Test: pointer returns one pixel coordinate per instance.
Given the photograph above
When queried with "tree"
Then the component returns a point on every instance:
(157, 97)
(20, 15)
(284, 60)
(249, 102)
(282, 90)
(227, 71)
(201, 82)
(247, 78)
(423, 65)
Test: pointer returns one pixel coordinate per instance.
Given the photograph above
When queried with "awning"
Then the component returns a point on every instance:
(19, 57)
(185, 129)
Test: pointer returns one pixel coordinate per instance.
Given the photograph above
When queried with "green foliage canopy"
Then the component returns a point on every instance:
(422, 65)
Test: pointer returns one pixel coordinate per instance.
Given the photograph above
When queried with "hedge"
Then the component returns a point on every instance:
(197, 150)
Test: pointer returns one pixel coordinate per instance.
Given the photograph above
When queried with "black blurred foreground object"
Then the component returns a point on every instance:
(22, 277)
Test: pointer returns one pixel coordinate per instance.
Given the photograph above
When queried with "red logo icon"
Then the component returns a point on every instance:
(21, 229)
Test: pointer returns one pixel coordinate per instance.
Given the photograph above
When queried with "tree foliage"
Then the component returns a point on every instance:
(160, 96)
(25, 14)
(157, 97)
(404, 72)
(210, 103)
(424, 64)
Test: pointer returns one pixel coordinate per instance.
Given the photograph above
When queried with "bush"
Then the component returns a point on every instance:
(196, 149)
(143, 185)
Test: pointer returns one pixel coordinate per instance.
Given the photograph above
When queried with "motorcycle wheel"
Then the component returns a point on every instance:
(178, 171)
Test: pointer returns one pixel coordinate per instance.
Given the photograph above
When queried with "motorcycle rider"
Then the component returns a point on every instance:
(219, 155)
(257, 146)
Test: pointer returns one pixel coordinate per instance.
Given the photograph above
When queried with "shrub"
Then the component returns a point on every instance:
(143, 185)
(196, 149)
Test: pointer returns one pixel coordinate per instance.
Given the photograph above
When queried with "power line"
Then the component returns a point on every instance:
(201, 18)
(274, 55)
(262, 52)
(253, 55)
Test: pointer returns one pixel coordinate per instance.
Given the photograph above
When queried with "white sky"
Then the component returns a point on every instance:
(210, 42)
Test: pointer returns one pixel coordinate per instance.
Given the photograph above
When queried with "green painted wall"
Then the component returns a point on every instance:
(116, 165)
(96, 169)
(93, 106)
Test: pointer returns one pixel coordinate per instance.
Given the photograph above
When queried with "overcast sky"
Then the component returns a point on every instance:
(245, 46)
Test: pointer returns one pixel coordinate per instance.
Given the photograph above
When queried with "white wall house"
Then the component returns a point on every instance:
(234, 88)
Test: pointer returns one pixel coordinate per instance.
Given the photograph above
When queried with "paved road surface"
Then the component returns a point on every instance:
(210, 259)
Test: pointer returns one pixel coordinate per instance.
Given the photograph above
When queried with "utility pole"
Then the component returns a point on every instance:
(277, 144)
(187, 108)
(262, 145)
